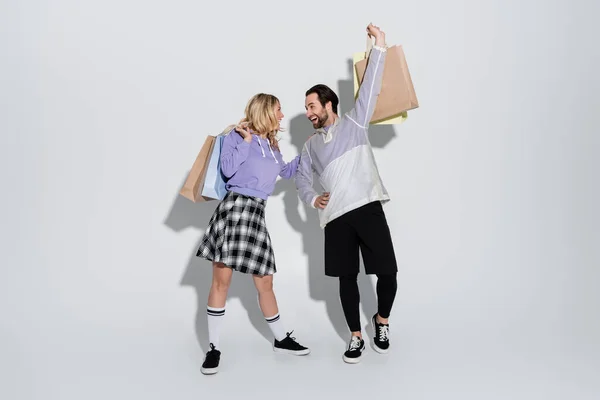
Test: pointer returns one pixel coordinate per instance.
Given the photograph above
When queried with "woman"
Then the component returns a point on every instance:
(237, 238)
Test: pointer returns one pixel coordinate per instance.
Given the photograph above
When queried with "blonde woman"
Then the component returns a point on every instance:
(237, 238)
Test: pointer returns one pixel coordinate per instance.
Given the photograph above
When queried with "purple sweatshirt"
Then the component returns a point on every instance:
(252, 168)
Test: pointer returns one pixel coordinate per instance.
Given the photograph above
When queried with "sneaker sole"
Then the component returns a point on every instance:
(209, 371)
(379, 349)
(348, 360)
(292, 352)
(355, 360)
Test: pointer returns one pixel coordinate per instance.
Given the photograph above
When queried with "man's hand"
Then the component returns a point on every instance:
(378, 34)
(321, 201)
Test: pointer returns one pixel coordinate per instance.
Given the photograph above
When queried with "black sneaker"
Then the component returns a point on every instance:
(381, 341)
(355, 350)
(290, 346)
(210, 366)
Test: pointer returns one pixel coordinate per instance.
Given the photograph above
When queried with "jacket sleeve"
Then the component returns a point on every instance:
(369, 89)
(234, 152)
(288, 170)
(304, 178)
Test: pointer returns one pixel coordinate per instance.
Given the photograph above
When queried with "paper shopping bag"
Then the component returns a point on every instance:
(397, 95)
(194, 183)
(214, 182)
(207, 163)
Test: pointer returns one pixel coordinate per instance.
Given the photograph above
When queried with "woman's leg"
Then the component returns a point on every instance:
(217, 298)
(284, 343)
(268, 304)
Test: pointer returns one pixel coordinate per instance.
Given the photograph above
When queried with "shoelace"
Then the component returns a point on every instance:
(291, 342)
(384, 332)
(212, 352)
(354, 343)
(288, 335)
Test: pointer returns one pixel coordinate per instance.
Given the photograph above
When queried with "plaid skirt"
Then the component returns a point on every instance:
(237, 236)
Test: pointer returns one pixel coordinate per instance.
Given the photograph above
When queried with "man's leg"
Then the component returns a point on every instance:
(386, 292)
(379, 258)
(387, 285)
(341, 260)
(350, 299)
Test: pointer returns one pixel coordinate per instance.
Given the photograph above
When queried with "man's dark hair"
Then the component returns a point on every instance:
(325, 94)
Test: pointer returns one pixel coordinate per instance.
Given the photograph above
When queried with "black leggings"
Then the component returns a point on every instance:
(350, 298)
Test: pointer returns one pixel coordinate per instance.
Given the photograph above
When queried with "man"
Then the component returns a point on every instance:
(350, 210)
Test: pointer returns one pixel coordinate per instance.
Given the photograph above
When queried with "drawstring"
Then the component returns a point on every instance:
(263, 152)
(261, 148)
(275, 158)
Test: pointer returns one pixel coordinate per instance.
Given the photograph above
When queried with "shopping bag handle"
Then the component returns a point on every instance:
(227, 130)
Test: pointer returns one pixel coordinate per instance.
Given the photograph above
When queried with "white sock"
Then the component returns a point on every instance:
(215, 317)
(276, 327)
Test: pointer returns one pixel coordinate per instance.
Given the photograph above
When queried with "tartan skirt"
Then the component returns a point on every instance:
(237, 236)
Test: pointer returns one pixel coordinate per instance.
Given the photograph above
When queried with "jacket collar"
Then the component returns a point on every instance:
(328, 134)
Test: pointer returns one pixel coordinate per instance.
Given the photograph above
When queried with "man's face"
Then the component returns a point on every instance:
(315, 112)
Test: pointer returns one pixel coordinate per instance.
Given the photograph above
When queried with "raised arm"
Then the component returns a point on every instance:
(234, 151)
(371, 84)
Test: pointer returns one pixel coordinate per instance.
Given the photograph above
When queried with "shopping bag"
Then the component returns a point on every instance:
(214, 181)
(397, 95)
(194, 183)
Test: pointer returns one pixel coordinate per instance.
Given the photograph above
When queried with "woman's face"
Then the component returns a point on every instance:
(278, 112)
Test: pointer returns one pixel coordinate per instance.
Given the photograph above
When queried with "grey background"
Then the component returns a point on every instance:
(104, 106)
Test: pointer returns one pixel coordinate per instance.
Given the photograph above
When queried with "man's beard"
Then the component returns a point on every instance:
(322, 120)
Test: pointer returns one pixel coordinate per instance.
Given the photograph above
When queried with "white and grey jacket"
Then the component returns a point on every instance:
(342, 156)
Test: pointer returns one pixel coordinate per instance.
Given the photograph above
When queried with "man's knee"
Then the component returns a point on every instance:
(348, 278)
(387, 278)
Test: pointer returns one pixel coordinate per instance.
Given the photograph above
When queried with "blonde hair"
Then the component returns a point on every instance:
(261, 118)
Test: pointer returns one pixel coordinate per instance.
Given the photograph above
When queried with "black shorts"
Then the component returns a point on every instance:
(364, 228)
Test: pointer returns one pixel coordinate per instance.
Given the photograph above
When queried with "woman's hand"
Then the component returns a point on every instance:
(243, 130)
